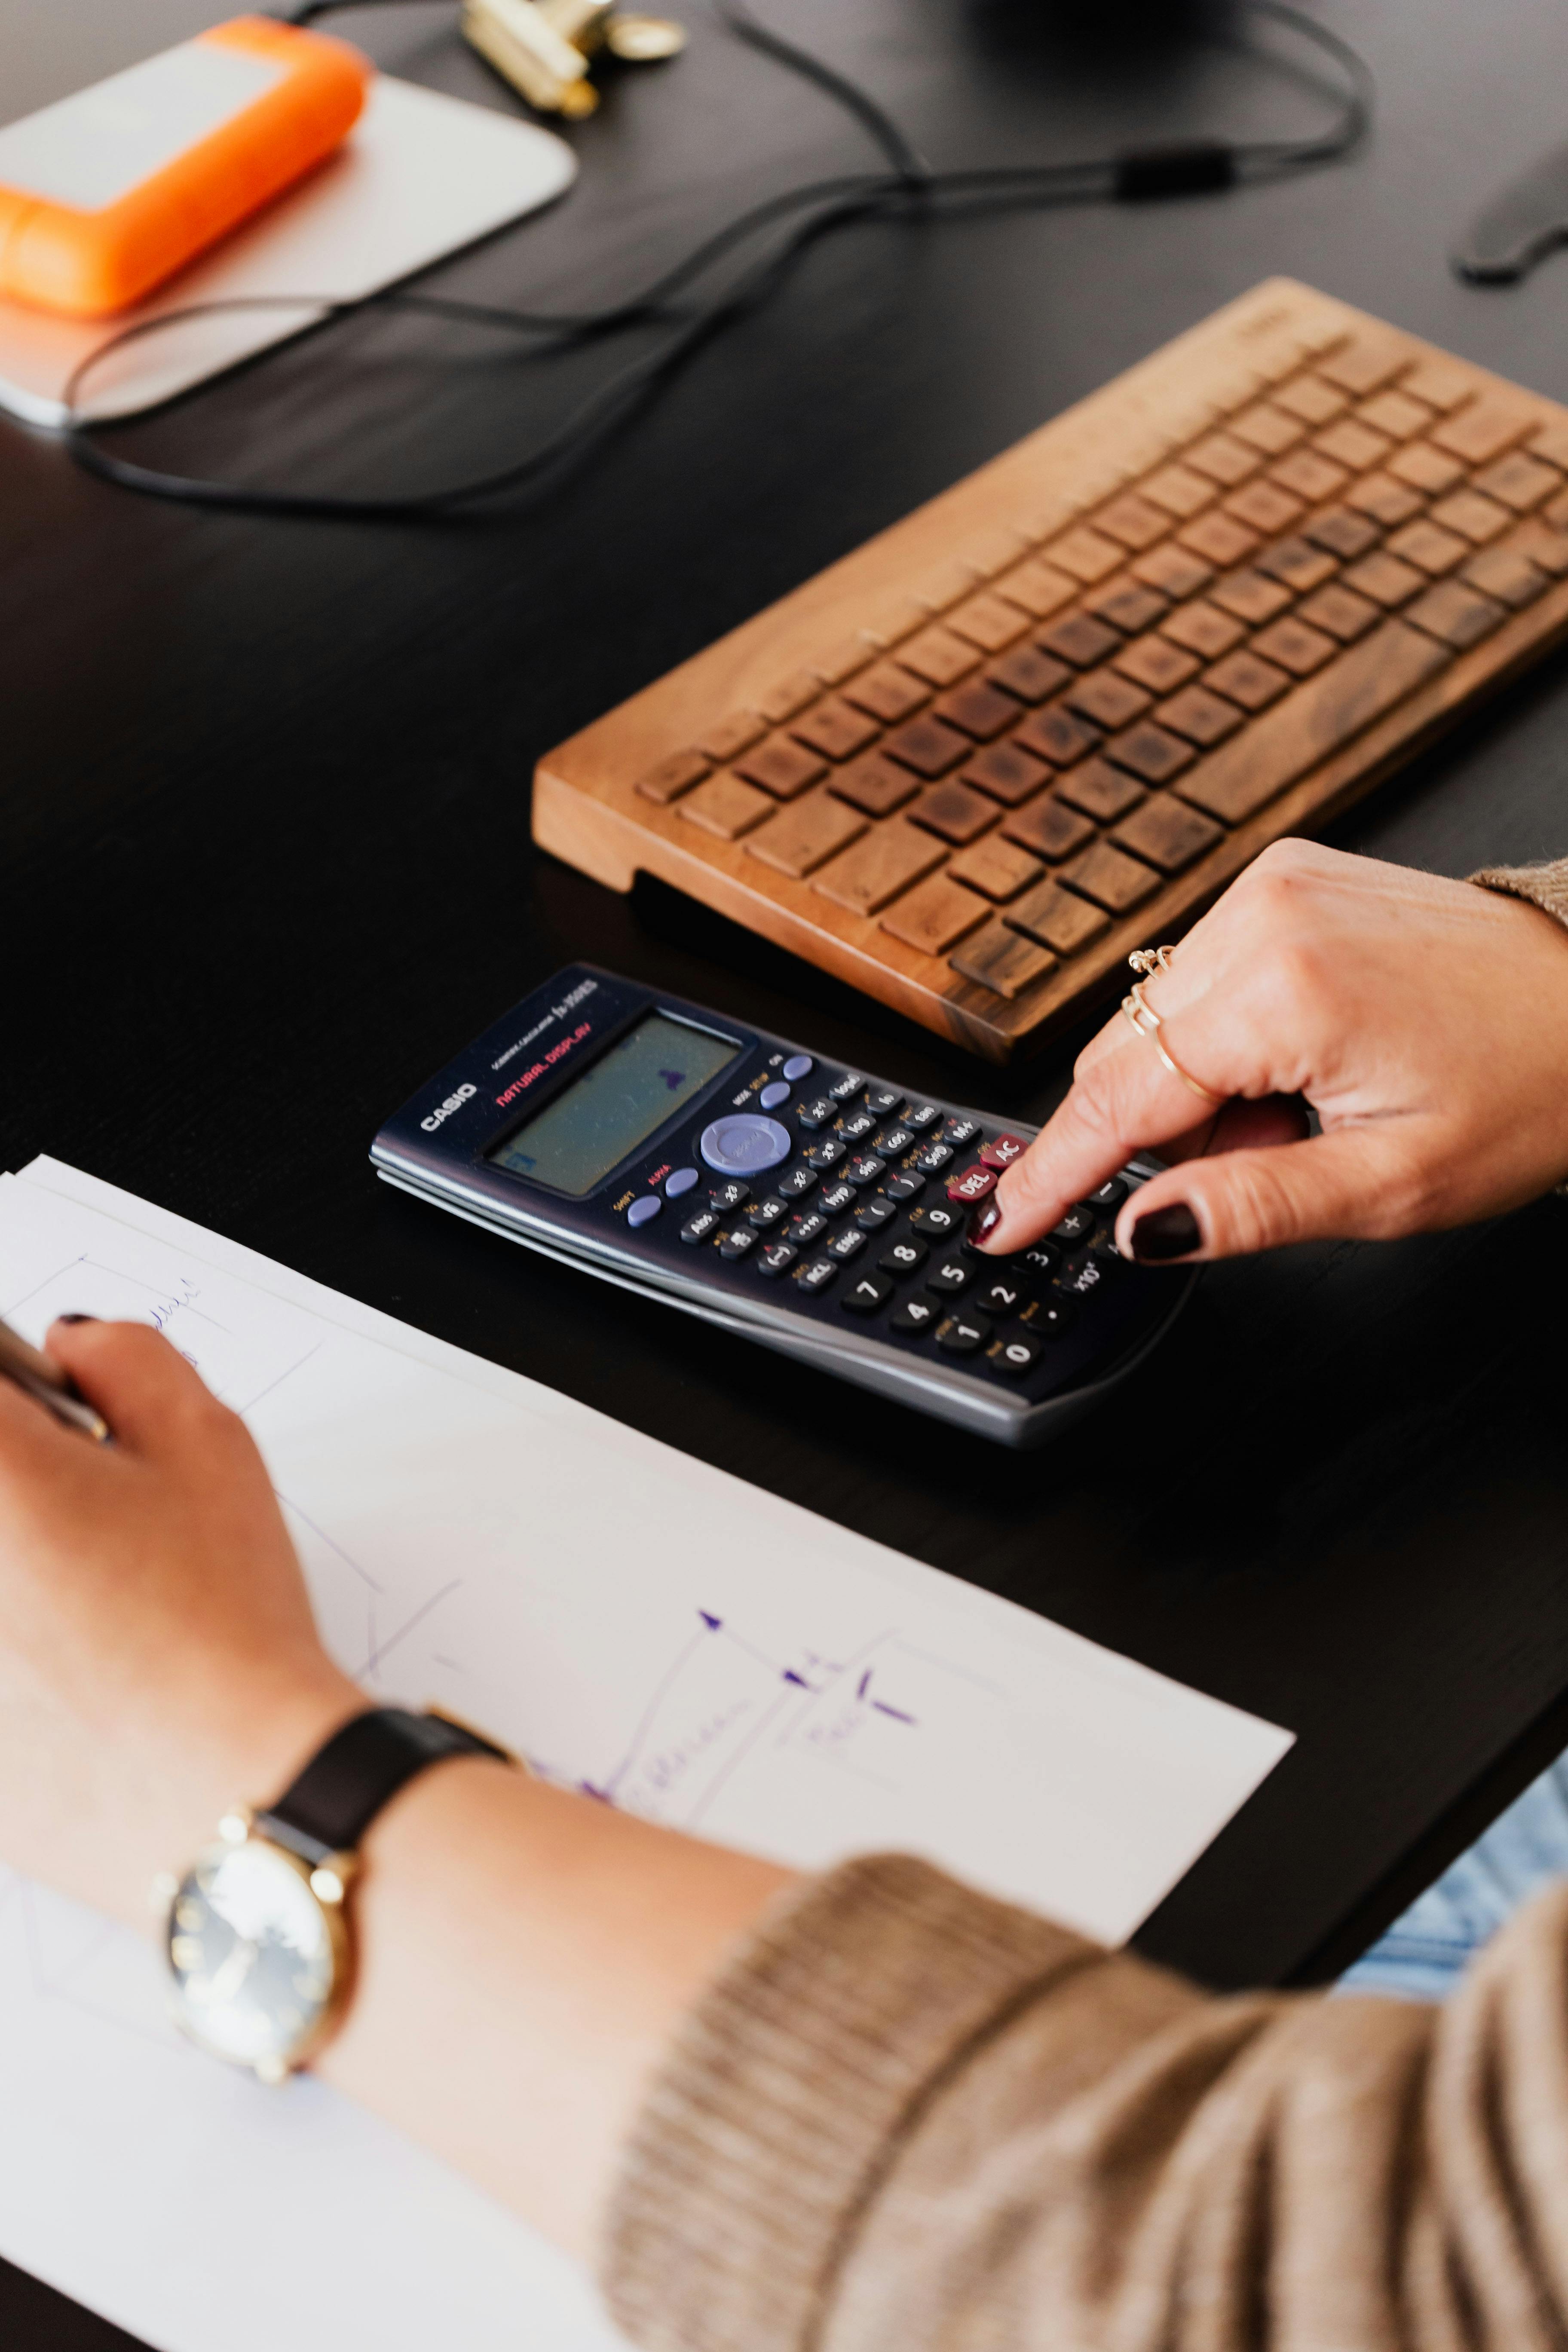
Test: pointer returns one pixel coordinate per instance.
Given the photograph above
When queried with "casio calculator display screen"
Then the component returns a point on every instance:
(617, 1103)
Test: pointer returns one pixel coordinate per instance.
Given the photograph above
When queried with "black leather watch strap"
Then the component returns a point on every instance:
(333, 1801)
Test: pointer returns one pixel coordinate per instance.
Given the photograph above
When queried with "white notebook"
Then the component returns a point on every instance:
(634, 1622)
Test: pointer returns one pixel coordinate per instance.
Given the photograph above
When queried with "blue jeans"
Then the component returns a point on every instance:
(1424, 1952)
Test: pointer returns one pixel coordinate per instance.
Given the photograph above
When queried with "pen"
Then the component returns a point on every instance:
(44, 1381)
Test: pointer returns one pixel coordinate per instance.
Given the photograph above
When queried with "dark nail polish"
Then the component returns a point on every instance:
(75, 1319)
(1165, 1233)
(983, 1221)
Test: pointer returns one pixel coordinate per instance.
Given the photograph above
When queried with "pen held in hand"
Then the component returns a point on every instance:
(41, 1379)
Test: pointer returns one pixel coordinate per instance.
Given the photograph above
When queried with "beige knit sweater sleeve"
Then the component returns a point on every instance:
(908, 2118)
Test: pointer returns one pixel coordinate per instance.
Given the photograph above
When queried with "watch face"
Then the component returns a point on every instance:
(257, 1957)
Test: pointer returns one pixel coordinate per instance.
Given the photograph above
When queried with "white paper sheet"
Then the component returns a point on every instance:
(637, 1624)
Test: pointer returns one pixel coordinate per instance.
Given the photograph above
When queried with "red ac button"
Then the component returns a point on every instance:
(1004, 1151)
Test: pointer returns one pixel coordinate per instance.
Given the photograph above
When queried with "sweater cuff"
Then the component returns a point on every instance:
(1545, 886)
(768, 2129)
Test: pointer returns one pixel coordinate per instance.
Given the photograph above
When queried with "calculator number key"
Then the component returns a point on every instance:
(936, 1220)
(1003, 1150)
(960, 1335)
(948, 1277)
(867, 1295)
(915, 1315)
(902, 1258)
(1000, 1295)
(1017, 1352)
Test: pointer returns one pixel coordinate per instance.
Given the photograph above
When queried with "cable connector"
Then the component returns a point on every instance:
(1191, 167)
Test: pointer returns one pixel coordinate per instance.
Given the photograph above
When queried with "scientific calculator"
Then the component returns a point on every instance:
(779, 1194)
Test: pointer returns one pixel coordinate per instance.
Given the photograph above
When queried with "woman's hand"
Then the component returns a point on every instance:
(158, 1658)
(1425, 1021)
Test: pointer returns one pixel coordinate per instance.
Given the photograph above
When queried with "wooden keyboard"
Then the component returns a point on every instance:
(1045, 718)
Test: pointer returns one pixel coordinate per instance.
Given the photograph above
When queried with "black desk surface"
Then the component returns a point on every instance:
(264, 809)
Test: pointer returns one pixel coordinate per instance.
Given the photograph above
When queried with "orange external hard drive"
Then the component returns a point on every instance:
(105, 194)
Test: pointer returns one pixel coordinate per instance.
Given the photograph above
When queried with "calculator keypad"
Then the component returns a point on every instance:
(870, 1214)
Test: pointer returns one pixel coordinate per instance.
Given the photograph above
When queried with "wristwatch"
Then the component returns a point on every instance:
(257, 1934)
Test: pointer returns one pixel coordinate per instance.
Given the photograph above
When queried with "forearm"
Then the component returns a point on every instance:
(525, 1957)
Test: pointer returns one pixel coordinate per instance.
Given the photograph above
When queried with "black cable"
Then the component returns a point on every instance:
(826, 204)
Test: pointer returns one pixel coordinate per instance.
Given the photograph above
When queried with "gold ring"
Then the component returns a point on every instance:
(1145, 1021)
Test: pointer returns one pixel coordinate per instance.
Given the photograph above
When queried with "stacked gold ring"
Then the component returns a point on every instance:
(1141, 1014)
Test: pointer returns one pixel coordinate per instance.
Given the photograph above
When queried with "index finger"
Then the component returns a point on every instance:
(1123, 1100)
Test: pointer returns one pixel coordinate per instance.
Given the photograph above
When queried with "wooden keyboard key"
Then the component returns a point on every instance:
(954, 810)
(1486, 428)
(1173, 570)
(1204, 629)
(1049, 829)
(1218, 539)
(989, 622)
(1263, 506)
(1342, 534)
(927, 746)
(1003, 961)
(1106, 700)
(938, 656)
(731, 736)
(1431, 549)
(1297, 564)
(1085, 554)
(1006, 773)
(673, 776)
(1542, 544)
(875, 784)
(1441, 382)
(836, 729)
(790, 695)
(1249, 597)
(1202, 717)
(1477, 519)
(1165, 833)
(1149, 752)
(1395, 414)
(726, 806)
(996, 868)
(1385, 500)
(1352, 445)
(1056, 920)
(1223, 458)
(1340, 611)
(981, 710)
(1054, 734)
(1267, 428)
(873, 871)
(1551, 443)
(1078, 640)
(1156, 663)
(1310, 399)
(1036, 589)
(1426, 468)
(1294, 646)
(806, 835)
(1133, 521)
(781, 767)
(1180, 493)
(1364, 363)
(1125, 604)
(1101, 790)
(1242, 678)
(846, 659)
(1505, 573)
(1028, 673)
(888, 692)
(1385, 579)
(1460, 615)
(934, 916)
(1307, 476)
(1520, 481)
(1111, 879)
(1313, 722)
